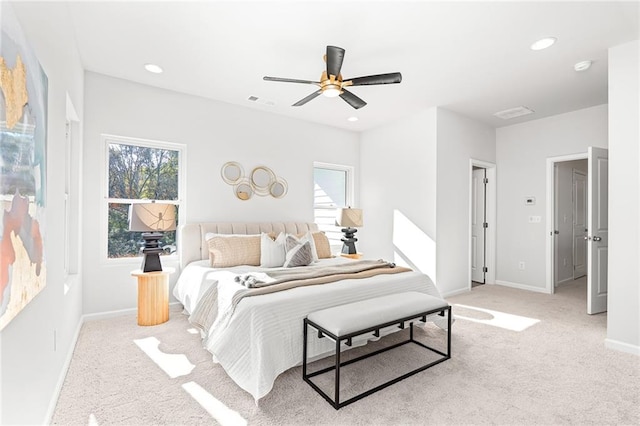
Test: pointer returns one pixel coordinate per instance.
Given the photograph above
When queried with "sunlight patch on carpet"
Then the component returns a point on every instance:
(216, 408)
(175, 365)
(92, 420)
(192, 331)
(495, 318)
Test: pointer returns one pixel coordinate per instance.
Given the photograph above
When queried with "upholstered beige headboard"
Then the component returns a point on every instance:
(191, 236)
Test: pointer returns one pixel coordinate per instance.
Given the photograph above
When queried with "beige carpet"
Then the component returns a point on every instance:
(554, 370)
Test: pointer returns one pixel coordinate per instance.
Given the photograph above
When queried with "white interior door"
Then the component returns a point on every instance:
(579, 224)
(598, 229)
(477, 225)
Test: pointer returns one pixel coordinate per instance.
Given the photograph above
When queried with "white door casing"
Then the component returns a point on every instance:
(598, 230)
(477, 225)
(579, 224)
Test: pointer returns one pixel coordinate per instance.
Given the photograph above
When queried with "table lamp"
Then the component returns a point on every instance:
(349, 219)
(152, 219)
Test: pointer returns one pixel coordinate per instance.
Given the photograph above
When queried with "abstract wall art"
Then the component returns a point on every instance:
(23, 173)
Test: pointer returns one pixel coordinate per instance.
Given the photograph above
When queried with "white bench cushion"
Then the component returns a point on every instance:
(353, 317)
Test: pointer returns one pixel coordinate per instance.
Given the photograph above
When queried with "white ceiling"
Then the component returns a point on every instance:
(471, 57)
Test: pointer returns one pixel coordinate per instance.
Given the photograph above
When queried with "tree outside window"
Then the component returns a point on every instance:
(138, 172)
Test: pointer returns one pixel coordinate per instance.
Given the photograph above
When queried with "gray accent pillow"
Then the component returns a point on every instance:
(298, 254)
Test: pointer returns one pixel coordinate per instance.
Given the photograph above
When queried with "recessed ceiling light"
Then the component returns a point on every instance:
(153, 68)
(352, 119)
(543, 43)
(582, 66)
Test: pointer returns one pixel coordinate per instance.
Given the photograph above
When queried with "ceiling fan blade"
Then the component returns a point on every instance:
(391, 78)
(352, 99)
(335, 56)
(290, 80)
(308, 98)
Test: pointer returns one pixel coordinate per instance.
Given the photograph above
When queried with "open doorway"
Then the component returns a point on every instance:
(570, 218)
(594, 234)
(479, 225)
(482, 223)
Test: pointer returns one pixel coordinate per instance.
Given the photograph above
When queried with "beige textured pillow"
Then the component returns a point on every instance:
(225, 252)
(323, 248)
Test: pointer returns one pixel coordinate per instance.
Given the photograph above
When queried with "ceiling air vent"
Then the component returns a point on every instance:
(514, 112)
(261, 101)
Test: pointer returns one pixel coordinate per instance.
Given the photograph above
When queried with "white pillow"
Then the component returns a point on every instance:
(272, 253)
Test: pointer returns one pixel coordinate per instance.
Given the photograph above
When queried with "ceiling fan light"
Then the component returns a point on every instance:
(331, 91)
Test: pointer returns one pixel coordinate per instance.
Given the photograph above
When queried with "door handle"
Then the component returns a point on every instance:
(587, 238)
(556, 232)
(597, 238)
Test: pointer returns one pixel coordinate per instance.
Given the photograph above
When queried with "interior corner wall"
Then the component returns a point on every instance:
(398, 192)
(623, 316)
(36, 345)
(460, 139)
(214, 133)
(521, 154)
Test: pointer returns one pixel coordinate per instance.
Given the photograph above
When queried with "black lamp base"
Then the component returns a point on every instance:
(349, 241)
(151, 252)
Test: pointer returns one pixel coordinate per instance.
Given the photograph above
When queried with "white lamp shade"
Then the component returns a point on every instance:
(152, 217)
(350, 218)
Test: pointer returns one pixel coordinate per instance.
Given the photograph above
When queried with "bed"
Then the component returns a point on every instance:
(259, 336)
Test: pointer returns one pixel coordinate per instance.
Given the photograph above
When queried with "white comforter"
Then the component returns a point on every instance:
(263, 337)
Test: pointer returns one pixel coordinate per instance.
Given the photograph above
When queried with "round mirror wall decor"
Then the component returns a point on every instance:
(261, 181)
(232, 172)
(278, 189)
(243, 189)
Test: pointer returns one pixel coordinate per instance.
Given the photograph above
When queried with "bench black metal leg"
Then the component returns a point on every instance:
(304, 350)
(336, 403)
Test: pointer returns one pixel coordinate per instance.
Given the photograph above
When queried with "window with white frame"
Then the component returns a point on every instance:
(72, 193)
(139, 170)
(333, 189)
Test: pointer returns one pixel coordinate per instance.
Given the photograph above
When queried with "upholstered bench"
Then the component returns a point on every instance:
(344, 322)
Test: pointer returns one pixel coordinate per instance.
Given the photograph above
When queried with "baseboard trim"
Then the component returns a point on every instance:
(118, 313)
(522, 286)
(455, 292)
(63, 372)
(622, 346)
(109, 314)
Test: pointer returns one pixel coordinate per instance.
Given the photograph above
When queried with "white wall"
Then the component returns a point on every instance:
(459, 140)
(398, 192)
(521, 153)
(623, 317)
(415, 192)
(214, 133)
(30, 364)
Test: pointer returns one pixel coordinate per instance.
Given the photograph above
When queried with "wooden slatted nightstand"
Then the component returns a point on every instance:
(153, 296)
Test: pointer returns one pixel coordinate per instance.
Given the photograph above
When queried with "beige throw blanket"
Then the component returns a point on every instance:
(218, 303)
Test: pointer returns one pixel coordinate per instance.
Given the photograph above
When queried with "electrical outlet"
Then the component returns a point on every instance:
(521, 265)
